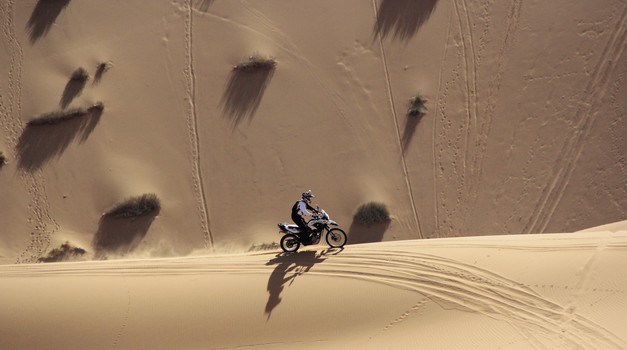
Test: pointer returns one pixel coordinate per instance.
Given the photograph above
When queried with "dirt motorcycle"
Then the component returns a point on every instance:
(293, 236)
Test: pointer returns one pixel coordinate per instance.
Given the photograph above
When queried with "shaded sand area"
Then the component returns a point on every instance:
(521, 130)
(552, 291)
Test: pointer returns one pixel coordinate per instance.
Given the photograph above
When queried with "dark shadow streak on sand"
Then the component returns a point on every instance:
(120, 236)
(72, 89)
(100, 71)
(402, 18)
(294, 264)
(203, 5)
(43, 17)
(243, 93)
(40, 143)
(360, 233)
(411, 123)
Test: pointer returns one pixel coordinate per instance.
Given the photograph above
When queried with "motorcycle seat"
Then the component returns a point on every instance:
(288, 227)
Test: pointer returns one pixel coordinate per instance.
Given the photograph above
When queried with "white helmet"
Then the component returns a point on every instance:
(308, 195)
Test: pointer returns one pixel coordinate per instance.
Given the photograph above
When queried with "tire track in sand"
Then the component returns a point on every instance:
(192, 125)
(439, 110)
(396, 127)
(469, 57)
(451, 145)
(485, 122)
(477, 290)
(448, 282)
(10, 111)
(478, 124)
(454, 135)
(594, 93)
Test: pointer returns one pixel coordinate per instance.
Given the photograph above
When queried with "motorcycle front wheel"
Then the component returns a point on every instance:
(289, 243)
(336, 238)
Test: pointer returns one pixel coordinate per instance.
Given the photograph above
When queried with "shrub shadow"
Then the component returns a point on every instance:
(72, 89)
(361, 233)
(40, 143)
(243, 93)
(120, 236)
(43, 16)
(402, 18)
(100, 70)
(288, 267)
(411, 123)
(203, 5)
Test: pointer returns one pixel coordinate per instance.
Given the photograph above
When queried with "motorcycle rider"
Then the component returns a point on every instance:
(301, 210)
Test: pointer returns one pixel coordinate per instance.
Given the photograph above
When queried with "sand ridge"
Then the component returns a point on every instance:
(491, 132)
(391, 291)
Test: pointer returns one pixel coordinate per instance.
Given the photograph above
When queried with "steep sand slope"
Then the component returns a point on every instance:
(523, 131)
(553, 291)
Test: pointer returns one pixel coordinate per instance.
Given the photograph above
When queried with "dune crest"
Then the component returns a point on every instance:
(559, 291)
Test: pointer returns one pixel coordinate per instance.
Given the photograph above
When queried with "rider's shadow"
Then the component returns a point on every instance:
(288, 267)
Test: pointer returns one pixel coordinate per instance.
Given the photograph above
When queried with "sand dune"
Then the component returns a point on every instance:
(553, 291)
(522, 130)
(481, 127)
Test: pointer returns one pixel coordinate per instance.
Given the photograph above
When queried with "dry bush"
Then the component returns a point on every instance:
(145, 204)
(57, 116)
(63, 115)
(372, 213)
(3, 159)
(256, 63)
(80, 74)
(417, 106)
(99, 106)
(64, 253)
(101, 69)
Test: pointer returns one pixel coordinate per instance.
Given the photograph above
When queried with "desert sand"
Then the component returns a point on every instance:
(552, 291)
(506, 187)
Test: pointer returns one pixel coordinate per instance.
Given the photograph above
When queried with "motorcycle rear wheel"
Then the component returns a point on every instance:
(290, 243)
(336, 238)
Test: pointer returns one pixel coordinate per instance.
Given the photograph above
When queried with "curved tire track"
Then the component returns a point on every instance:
(594, 93)
(446, 281)
(478, 290)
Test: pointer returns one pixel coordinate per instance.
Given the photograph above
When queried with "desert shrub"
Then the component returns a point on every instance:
(417, 106)
(80, 74)
(64, 253)
(256, 63)
(101, 69)
(137, 206)
(3, 159)
(57, 117)
(372, 213)
(96, 106)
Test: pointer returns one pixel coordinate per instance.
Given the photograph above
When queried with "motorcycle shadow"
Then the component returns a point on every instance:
(288, 267)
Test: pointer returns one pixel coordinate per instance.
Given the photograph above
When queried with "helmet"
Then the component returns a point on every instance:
(308, 195)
